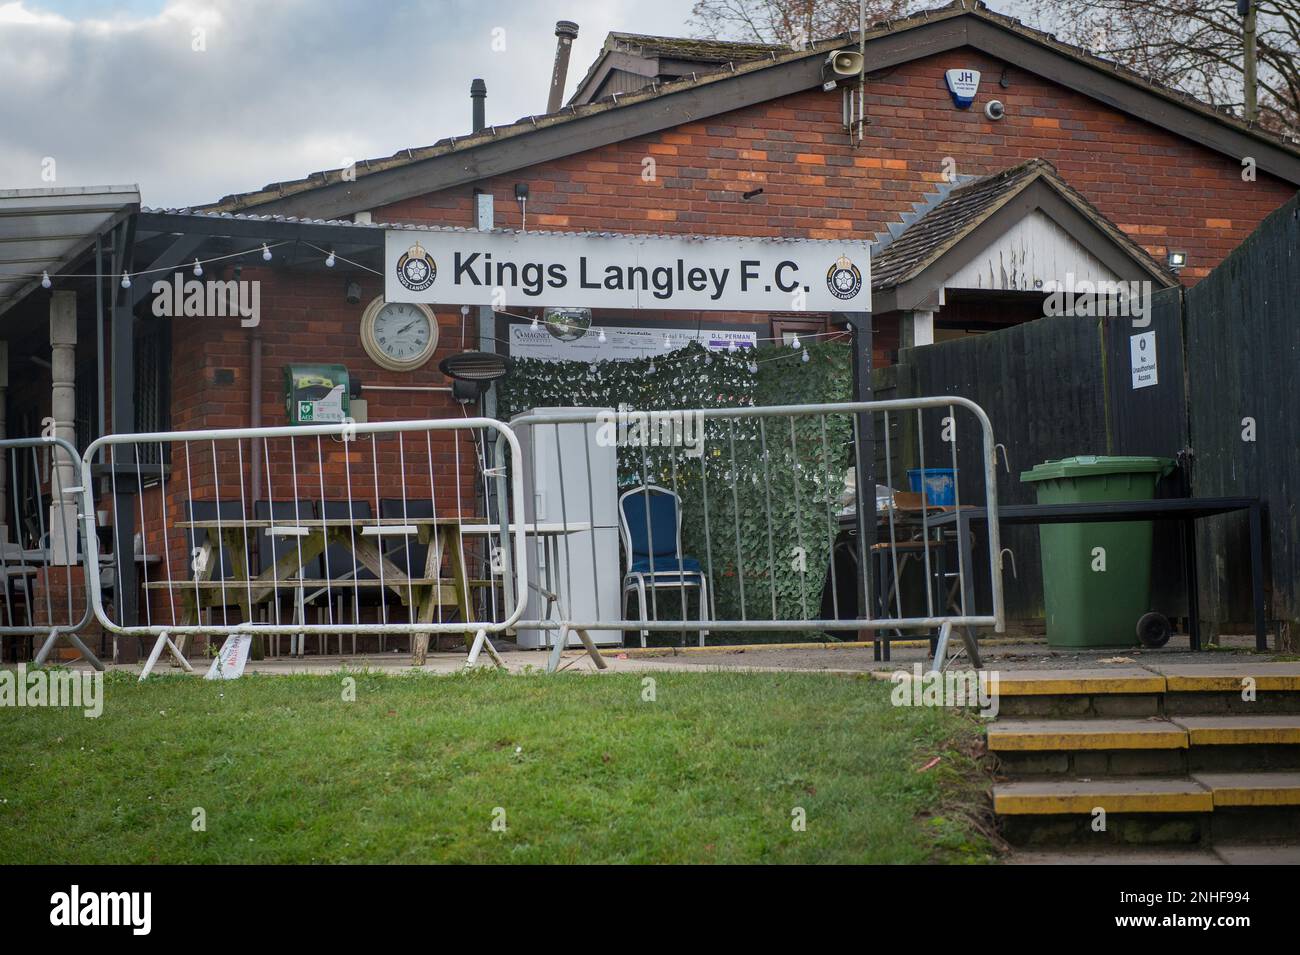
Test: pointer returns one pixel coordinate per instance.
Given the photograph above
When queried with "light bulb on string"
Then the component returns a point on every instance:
(601, 336)
(45, 280)
(804, 359)
(198, 269)
(126, 280)
(266, 253)
(753, 368)
(651, 369)
(329, 260)
(536, 324)
(731, 347)
(794, 342)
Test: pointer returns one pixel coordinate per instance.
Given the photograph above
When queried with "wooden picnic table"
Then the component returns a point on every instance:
(360, 536)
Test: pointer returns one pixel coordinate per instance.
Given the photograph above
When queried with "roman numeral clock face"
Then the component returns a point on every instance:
(398, 336)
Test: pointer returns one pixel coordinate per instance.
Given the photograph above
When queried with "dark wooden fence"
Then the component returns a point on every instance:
(1243, 362)
(1055, 388)
(1228, 361)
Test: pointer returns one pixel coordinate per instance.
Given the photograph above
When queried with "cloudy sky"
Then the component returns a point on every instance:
(114, 91)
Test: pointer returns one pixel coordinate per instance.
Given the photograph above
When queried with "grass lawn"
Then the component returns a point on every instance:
(417, 768)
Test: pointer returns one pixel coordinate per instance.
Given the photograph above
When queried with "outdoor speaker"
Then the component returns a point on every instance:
(841, 63)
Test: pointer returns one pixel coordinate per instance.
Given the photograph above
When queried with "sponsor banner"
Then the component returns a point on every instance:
(620, 344)
(507, 270)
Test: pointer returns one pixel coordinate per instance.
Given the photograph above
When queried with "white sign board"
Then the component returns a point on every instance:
(508, 270)
(620, 344)
(1142, 356)
(328, 409)
(229, 663)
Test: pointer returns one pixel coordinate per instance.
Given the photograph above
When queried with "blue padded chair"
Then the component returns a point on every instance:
(650, 518)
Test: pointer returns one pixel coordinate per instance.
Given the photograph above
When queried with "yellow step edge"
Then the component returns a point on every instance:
(1230, 683)
(1263, 730)
(1113, 796)
(1073, 735)
(1066, 686)
(1252, 789)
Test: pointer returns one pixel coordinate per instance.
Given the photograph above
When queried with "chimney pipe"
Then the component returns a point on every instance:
(478, 95)
(566, 31)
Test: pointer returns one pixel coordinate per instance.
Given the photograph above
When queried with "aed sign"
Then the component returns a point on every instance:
(963, 85)
(510, 269)
(1142, 357)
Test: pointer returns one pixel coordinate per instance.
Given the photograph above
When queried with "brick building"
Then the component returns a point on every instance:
(678, 137)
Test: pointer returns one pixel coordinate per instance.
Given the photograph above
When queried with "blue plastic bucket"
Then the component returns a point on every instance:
(940, 484)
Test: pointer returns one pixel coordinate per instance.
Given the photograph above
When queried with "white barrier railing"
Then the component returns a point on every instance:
(700, 460)
(242, 531)
(47, 543)
(543, 528)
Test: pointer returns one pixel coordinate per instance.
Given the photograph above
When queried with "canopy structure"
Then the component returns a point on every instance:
(46, 230)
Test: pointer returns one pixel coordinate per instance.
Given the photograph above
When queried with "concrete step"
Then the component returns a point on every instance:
(1056, 797)
(1245, 854)
(1203, 810)
(1153, 746)
(1018, 735)
(1251, 789)
(1280, 729)
(1150, 690)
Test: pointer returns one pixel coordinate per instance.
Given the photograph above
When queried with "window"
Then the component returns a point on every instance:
(152, 383)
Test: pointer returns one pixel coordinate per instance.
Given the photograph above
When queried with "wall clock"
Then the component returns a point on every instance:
(399, 336)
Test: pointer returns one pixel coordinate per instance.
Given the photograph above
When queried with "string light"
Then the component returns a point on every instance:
(601, 337)
(651, 369)
(126, 280)
(805, 356)
(753, 368)
(329, 260)
(266, 253)
(45, 280)
(794, 342)
(198, 268)
(731, 347)
(536, 323)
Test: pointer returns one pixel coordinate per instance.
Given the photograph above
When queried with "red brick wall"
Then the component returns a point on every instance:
(305, 319)
(1163, 190)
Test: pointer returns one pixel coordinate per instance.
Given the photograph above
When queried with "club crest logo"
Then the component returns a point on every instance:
(416, 269)
(844, 279)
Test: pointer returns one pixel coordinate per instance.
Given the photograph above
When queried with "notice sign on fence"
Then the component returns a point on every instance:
(504, 270)
(1142, 354)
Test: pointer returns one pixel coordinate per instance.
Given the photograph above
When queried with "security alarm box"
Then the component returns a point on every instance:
(316, 394)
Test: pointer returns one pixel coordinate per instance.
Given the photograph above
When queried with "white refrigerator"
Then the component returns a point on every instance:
(568, 475)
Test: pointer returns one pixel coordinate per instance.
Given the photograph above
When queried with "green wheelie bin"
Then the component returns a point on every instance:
(1096, 577)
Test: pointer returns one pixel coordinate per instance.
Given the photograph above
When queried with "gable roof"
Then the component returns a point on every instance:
(913, 267)
(648, 59)
(502, 149)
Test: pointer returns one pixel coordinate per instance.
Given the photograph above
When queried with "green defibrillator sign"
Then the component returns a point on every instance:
(316, 394)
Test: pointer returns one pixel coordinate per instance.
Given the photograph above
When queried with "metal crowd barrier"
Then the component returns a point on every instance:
(243, 531)
(757, 489)
(38, 485)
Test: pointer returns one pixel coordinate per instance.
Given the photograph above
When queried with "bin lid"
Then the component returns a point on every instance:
(1092, 465)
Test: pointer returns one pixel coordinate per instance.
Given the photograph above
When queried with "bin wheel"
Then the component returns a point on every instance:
(1154, 630)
